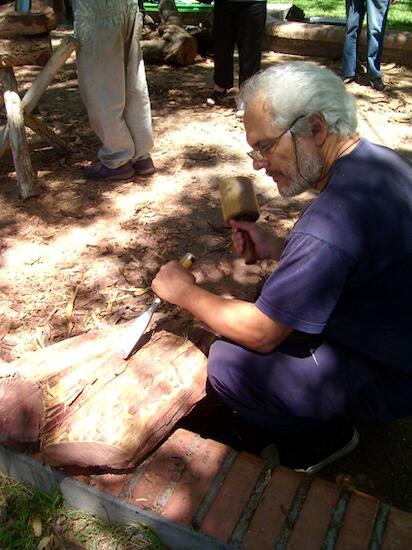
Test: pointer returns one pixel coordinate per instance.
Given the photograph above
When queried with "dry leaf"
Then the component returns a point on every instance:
(37, 525)
(137, 291)
(46, 543)
(70, 308)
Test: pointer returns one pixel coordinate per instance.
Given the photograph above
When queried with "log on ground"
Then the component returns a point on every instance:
(174, 45)
(100, 410)
(25, 50)
(15, 23)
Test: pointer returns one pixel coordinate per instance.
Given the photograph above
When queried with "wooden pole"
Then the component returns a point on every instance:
(46, 133)
(39, 86)
(9, 83)
(26, 179)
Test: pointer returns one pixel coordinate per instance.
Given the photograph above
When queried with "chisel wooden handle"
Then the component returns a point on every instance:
(188, 260)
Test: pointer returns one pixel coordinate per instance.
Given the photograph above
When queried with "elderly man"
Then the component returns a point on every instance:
(327, 340)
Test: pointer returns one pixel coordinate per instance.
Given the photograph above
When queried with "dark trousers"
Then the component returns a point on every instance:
(240, 24)
(306, 388)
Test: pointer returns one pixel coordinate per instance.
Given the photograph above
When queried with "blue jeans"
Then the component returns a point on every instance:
(377, 12)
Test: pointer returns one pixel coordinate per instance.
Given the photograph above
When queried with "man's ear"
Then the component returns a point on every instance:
(318, 128)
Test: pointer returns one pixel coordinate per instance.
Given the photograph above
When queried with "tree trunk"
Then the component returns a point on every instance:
(100, 410)
(25, 50)
(174, 46)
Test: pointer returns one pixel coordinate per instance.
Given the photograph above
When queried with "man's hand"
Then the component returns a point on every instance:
(266, 245)
(173, 282)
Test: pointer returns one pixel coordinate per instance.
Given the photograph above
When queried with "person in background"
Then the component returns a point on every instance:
(377, 13)
(113, 87)
(242, 24)
(327, 340)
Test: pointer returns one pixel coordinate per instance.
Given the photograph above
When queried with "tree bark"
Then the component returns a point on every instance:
(174, 46)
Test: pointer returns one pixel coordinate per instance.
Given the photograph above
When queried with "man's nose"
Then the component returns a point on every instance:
(259, 164)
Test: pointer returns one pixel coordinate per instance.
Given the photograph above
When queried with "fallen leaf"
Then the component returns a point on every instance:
(37, 525)
(46, 543)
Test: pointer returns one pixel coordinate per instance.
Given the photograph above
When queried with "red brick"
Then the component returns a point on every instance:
(114, 484)
(272, 510)
(398, 532)
(313, 521)
(196, 480)
(232, 497)
(163, 471)
(357, 525)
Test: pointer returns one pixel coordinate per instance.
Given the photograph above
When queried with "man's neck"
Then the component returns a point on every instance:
(334, 148)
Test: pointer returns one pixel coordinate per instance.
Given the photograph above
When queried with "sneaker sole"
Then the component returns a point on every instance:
(112, 178)
(145, 174)
(339, 454)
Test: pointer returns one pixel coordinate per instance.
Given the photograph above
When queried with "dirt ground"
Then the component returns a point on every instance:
(81, 255)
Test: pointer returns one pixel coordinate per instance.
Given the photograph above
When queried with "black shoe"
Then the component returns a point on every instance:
(348, 79)
(144, 167)
(377, 84)
(215, 98)
(311, 460)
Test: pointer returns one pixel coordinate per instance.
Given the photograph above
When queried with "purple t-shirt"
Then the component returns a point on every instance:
(346, 269)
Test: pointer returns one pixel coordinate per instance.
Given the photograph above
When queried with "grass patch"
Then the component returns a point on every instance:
(31, 519)
(399, 18)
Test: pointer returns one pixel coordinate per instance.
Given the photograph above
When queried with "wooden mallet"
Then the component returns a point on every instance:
(239, 203)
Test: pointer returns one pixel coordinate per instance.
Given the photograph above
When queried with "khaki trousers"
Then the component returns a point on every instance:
(112, 78)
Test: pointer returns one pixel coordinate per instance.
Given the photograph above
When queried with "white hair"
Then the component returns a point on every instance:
(300, 88)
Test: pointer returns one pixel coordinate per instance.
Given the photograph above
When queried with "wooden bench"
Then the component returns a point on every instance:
(25, 40)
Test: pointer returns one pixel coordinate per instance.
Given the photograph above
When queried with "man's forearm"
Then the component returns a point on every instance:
(236, 320)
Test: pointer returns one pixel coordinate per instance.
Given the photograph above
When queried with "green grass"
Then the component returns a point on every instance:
(31, 519)
(399, 19)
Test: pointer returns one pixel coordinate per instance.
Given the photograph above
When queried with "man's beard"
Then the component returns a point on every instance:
(304, 172)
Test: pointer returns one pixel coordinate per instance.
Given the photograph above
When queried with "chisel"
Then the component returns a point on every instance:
(141, 323)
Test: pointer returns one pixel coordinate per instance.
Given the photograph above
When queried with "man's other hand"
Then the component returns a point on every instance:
(266, 244)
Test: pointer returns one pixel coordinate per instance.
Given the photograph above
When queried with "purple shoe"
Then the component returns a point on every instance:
(100, 172)
(144, 167)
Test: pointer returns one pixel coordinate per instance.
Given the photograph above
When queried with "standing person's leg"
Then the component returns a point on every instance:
(355, 13)
(377, 11)
(223, 47)
(250, 31)
(304, 395)
(137, 109)
(102, 84)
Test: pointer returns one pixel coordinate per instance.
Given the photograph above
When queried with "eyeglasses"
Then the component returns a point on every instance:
(261, 153)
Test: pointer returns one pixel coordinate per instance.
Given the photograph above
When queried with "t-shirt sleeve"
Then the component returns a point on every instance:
(305, 287)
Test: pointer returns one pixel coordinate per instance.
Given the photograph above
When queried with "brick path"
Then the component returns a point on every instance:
(231, 497)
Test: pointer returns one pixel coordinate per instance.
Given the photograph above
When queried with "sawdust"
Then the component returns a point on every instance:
(81, 255)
